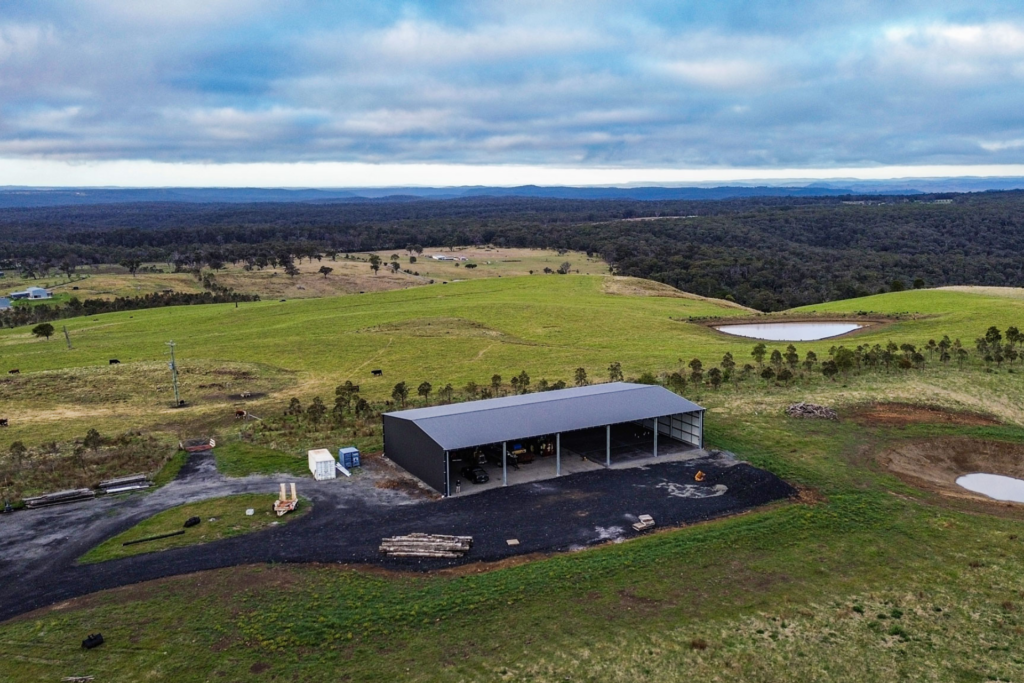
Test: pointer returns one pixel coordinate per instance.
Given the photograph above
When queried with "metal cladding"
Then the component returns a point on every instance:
(464, 425)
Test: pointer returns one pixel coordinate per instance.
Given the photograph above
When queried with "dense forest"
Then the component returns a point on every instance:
(770, 253)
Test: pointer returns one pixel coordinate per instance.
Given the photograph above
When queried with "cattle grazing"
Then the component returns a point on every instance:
(13, 372)
(3, 422)
(239, 414)
(245, 394)
(377, 373)
(114, 361)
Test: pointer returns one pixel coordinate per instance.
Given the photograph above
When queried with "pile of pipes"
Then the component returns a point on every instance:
(811, 410)
(122, 484)
(426, 545)
(60, 497)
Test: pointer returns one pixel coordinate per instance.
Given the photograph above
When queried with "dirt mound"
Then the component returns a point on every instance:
(902, 414)
(935, 464)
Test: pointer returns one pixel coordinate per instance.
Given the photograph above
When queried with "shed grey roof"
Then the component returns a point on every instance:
(463, 425)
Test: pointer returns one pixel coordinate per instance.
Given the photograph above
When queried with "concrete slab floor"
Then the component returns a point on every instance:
(573, 462)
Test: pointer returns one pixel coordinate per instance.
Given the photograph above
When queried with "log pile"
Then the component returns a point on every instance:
(129, 483)
(811, 410)
(59, 498)
(426, 545)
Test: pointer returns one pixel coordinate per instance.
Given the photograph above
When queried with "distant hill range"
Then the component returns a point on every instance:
(22, 197)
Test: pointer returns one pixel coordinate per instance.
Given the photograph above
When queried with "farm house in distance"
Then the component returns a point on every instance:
(31, 293)
(516, 439)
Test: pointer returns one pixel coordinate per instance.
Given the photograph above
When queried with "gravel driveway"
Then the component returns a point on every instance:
(38, 548)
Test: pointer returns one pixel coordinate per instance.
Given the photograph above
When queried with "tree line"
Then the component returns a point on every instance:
(767, 253)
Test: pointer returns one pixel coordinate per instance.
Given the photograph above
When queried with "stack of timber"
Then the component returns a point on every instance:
(426, 545)
(811, 410)
(130, 483)
(59, 498)
(645, 522)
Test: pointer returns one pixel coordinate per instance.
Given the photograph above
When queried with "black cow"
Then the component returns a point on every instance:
(377, 373)
(13, 372)
(114, 361)
(3, 422)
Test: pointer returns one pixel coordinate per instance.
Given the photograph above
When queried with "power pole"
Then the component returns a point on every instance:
(174, 375)
(66, 336)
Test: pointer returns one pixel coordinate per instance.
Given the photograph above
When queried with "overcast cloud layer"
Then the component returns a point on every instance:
(752, 85)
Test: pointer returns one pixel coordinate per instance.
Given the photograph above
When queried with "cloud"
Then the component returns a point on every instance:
(650, 84)
(957, 53)
(720, 73)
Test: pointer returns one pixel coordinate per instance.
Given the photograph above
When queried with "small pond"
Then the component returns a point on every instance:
(994, 486)
(812, 331)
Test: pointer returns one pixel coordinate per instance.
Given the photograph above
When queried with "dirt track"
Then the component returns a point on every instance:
(347, 523)
(903, 414)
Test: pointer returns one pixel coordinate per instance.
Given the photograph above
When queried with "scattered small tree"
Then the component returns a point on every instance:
(677, 382)
(715, 378)
(472, 389)
(810, 359)
(316, 411)
(524, 381)
(424, 391)
(696, 371)
(374, 263)
(615, 372)
(400, 393)
(446, 393)
(294, 407)
(758, 353)
(326, 270)
(564, 268)
(581, 377)
(43, 330)
(496, 384)
(785, 374)
(647, 377)
(93, 440)
(18, 452)
(829, 369)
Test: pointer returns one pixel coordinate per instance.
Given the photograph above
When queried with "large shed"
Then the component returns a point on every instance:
(602, 423)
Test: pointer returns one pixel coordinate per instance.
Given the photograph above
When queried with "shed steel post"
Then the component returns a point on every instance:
(701, 429)
(608, 446)
(447, 476)
(504, 464)
(558, 454)
(657, 424)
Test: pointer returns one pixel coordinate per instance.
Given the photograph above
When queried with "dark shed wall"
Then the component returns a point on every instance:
(408, 446)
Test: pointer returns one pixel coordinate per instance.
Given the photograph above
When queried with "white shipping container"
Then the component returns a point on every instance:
(321, 464)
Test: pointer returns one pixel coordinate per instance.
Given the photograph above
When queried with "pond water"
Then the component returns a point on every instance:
(790, 331)
(994, 486)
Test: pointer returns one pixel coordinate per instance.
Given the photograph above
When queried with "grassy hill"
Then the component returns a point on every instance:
(442, 333)
(868, 576)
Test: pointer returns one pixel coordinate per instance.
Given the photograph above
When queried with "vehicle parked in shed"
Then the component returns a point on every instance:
(475, 474)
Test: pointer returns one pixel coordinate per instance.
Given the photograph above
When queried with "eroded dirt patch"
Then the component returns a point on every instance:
(935, 464)
(903, 414)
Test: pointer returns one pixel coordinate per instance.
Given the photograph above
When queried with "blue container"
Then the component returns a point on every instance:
(349, 457)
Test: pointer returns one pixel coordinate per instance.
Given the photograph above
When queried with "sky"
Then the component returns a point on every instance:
(331, 94)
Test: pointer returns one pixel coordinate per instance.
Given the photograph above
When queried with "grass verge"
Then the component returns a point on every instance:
(238, 459)
(221, 518)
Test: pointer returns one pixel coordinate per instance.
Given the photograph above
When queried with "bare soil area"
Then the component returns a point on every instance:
(634, 286)
(935, 464)
(903, 414)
